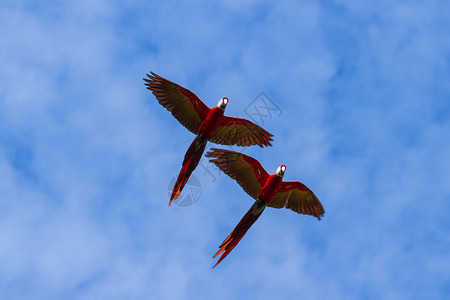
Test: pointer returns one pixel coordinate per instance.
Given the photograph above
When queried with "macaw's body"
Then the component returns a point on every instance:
(209, 124)
(267, 190)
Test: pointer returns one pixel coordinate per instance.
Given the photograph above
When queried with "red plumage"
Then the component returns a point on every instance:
(190, 162)
(209, 124)
(267, 190)
(239, 231)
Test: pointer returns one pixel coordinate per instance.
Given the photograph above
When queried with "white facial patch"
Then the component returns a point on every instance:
(280, 170)
(222, 103)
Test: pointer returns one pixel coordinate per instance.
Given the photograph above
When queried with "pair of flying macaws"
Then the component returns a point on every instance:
(210, 124)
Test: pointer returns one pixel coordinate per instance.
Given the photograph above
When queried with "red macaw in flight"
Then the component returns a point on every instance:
(268, 190)
(209, 124)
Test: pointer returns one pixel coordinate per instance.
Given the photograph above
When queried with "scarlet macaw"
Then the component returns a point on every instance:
(209, 124)
(268, 190)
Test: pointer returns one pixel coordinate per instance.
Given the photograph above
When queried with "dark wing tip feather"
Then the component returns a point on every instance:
(212, 152)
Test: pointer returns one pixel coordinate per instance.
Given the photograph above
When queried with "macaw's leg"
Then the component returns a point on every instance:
(239, 231)
(190, 162)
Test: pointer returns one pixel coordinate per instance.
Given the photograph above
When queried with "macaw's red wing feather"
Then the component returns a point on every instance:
(297, 197)
(238, 232)
(241, 132)
(191, 160)
(247, 171)
(184, 105)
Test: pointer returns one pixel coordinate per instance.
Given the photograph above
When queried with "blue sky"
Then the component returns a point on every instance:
(86, 152)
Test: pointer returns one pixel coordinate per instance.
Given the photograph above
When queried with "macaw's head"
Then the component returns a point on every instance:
(223, 103)
(280, 171)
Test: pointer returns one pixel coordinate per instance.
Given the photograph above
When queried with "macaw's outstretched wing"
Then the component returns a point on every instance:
(247, 171)
(241, 132)
(297, 197)
(184, 105)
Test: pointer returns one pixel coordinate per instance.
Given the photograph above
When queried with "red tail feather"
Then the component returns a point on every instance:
(190, 162)
(238, 232)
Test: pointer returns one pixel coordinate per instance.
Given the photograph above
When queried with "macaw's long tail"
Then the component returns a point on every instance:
(190, 162)
(239, 231)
